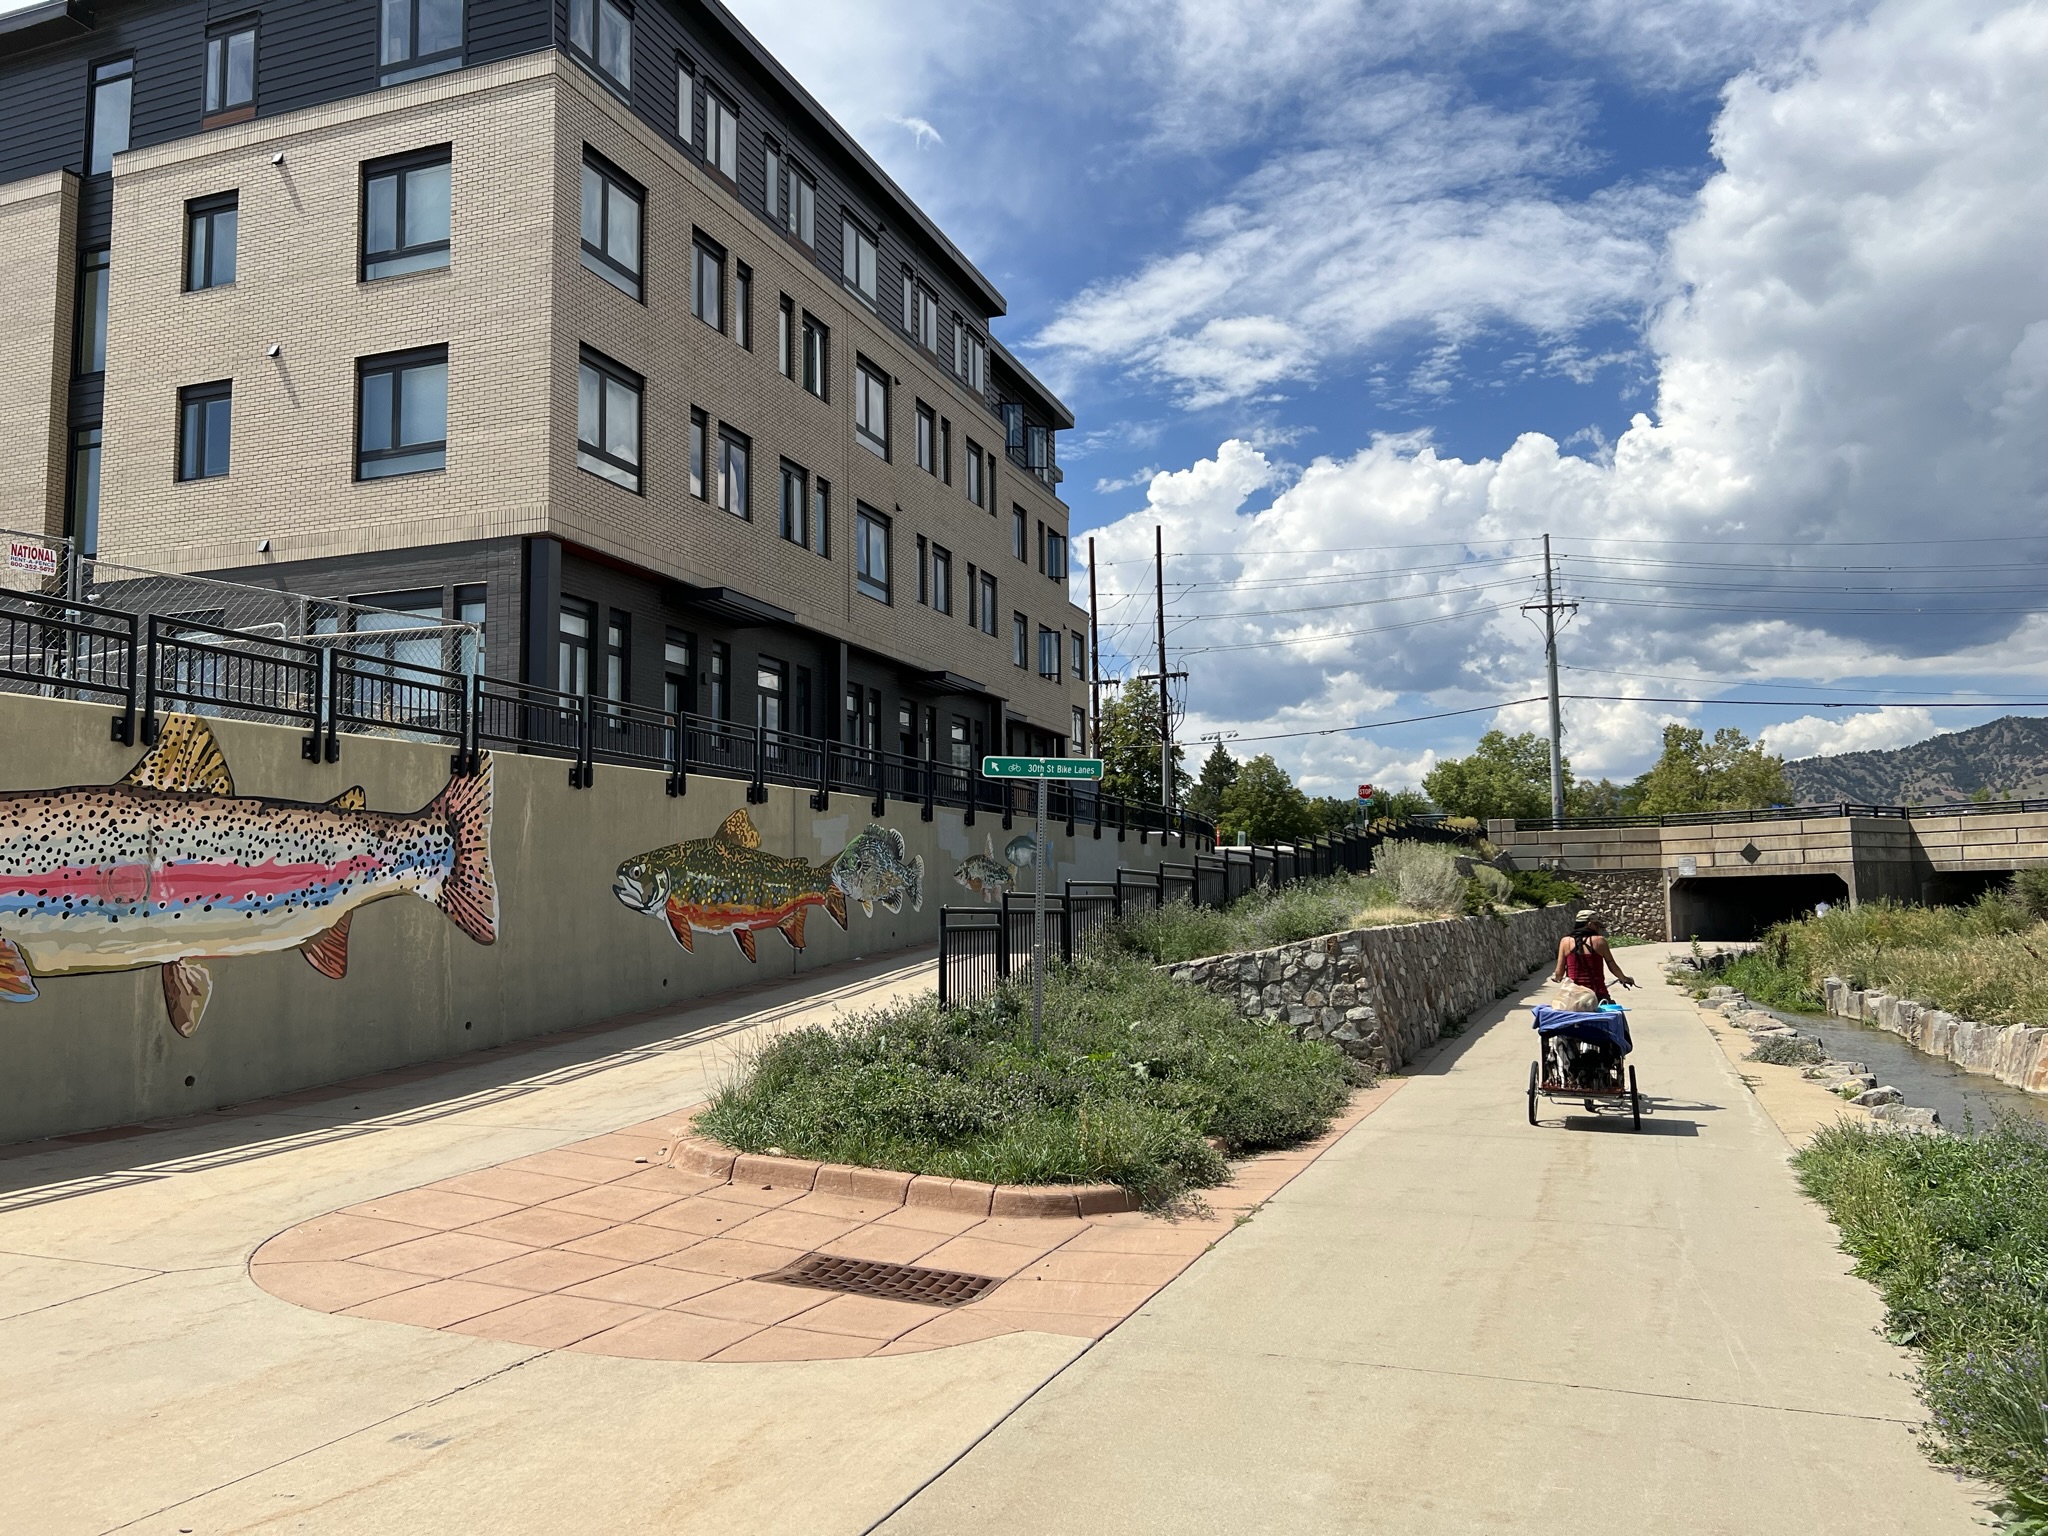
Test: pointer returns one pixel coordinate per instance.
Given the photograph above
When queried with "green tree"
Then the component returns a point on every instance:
(1129, 745)
(1334, 815)
(1504, 776)
(1264, 804)
(1728, 773)
(1401, 805)
(1219, 772)
(1601, 797)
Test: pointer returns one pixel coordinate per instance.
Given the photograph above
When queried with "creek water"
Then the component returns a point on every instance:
(1963, 1099)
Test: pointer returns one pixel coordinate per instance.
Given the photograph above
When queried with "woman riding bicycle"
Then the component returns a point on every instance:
(1584, 958)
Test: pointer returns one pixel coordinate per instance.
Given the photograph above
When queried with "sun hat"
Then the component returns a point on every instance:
(1586, 915)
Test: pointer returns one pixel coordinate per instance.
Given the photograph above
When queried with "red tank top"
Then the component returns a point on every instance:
(1583, 968)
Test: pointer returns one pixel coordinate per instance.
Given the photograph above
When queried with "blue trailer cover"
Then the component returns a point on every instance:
(1606, 1028)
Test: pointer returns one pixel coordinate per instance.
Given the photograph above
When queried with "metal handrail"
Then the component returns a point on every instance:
(275, 679)
(69, 648)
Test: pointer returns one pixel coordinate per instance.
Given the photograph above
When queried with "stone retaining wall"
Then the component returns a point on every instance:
(2015, 1054)
(1632, 900)
(1383, 994)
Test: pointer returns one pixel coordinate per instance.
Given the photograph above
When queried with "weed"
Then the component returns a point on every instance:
(1425, 874)
(1785, 1051)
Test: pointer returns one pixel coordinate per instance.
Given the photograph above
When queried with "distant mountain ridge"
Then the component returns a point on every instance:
(2006, 758)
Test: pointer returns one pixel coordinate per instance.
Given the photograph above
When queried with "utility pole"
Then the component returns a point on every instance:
(1094, 656)
(1550, 608)
(1165, 715)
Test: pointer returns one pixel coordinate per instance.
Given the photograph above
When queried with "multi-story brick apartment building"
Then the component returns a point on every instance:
(580, 320)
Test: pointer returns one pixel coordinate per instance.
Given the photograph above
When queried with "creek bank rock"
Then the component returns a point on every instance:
(2015, 1054)
(1850, 1080)
(1383, 994)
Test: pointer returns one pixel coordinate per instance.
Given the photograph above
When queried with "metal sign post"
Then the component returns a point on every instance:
(1039, 769)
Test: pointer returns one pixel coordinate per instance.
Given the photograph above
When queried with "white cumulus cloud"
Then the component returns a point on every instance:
(1830, 736)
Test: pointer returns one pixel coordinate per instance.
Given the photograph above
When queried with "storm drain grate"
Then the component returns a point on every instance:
(892, 1282)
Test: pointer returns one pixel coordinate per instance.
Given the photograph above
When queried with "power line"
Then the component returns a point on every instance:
(1738, 682)
(1345, 634)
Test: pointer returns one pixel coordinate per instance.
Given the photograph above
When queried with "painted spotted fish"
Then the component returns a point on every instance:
(873, 869)
(724, 883)
(985, 874)
(170, 865)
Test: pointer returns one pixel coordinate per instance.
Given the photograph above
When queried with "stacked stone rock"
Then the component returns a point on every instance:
(2015, 1054)
(1850, 1080)
(1383, 994)
(1632, 900)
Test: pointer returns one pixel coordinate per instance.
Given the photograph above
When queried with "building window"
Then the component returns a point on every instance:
(743, 305)
(1077, 743)
(817, 351)
(602, 33)
(406, 214)
(923, 588)
(1055, 555)
(210, 242)
(771, 694)
(707, 283)
(871, 407)
(686, 103)
(1048, 653)
(1079, 648)
(608, 420)
(419, 38)
(945, 450)
(203, 430)
(700, 448)
(909, 303)
(722, 135)
(402, 414)
(928, 320)
(572, 660)
(612, 212)
(721, 680)
(988, 604)
(618, 648)
(785, 338)
(927, 435)
(972, 465)
(92, 311)
(821, 517)
(733, 485)
(771, 180)
(1038, 448)
(231, 73)
(470, 609)
(1020, 640)
(858, 261)
(800, 208)
(113, 93)
(82, 508)
(871, 553)
(977, 361)
(942, 580)
(796, 506)
(678, 674)
(1020, 538)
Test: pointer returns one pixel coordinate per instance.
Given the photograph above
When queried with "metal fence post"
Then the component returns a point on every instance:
(149, 725)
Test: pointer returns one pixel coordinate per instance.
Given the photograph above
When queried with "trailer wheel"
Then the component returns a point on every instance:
(1635, 1099)
(1535, 1077)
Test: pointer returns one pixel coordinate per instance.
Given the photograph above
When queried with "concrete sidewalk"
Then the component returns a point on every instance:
(1456, 1322)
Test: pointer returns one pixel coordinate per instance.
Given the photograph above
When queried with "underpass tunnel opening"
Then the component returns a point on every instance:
(1743, 906)
(1959, 888)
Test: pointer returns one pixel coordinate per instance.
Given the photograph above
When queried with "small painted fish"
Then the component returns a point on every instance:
(1021, 850)
(724, 883)
(170, 865)
(873, 869)
(985, 874)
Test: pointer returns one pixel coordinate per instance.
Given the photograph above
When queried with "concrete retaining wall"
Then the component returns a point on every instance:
(96, 1048)
(1384, 994)
(2015, 1054)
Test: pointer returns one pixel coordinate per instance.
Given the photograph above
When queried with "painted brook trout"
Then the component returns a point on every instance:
(170, 865)
(725, 883)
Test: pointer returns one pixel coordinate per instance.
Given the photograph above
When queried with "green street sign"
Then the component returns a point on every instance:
(1042, 767)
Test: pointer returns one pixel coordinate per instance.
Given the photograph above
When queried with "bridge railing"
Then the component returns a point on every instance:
(1773, 813)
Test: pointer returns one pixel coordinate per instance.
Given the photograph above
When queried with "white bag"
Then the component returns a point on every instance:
(1573, 998)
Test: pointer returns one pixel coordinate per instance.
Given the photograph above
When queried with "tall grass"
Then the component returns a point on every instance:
(1262, 919)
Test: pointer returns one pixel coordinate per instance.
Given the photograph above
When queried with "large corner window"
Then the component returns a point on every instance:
(608, 420)
(735, 452)
(406, 213)
(871, 407)
(1055, 555)
(402, 414)
(92, 311)
(612, 207)
(871, 553)
(858, 261)
(601, 34)
(231, 74)
(722, 135)
(417, 38)
(204, 424)
(210, 242)
(113, 97)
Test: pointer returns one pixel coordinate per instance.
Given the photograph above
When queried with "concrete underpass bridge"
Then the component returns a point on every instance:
(1730, 874)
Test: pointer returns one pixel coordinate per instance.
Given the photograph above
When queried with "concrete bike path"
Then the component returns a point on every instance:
(1457, 1322)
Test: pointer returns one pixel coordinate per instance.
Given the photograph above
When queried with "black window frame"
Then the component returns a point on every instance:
(800, 204)
(704, 250)
(415, 65)
(106, 74)
(723, 103)
(743, 305)
(730, 440)
(679, 673)
(719, 669)
(591, 55)
(821, 516)
(215, 107)
(201, 396)
(859, 248)
(942, 579)
(700, 453)
(82, 488)
(927, 439)
(613, 183)
(974, 481)
(991, 604)
(794, 524)
(1020, 537)
(1055, 555)
(1020, 641)
(373, 266)
(1049, 646)
(1078, 644)
(571, 647)
(95, 280)
(945, 451)
(398, 364)
(867, 377)
(611, 371)
(785, 338)
(203, 243)
(817, 350)
(923, 584)
(868, 521)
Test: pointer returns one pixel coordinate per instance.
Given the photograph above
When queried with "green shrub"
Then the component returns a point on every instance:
(1545, 888)
(2029, 890)
(1262, 919)
(1425, 875)
(1785, 1051)
(1136, 1074)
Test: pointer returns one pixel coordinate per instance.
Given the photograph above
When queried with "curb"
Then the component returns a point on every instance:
(711, 1159)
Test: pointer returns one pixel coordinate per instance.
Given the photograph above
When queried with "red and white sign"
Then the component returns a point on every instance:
(39, 558)
(1365, 791)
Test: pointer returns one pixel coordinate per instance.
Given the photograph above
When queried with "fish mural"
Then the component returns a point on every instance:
(873, 869)
(1020, 850)
(985, 874)
(169, 866)
(725, 883)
